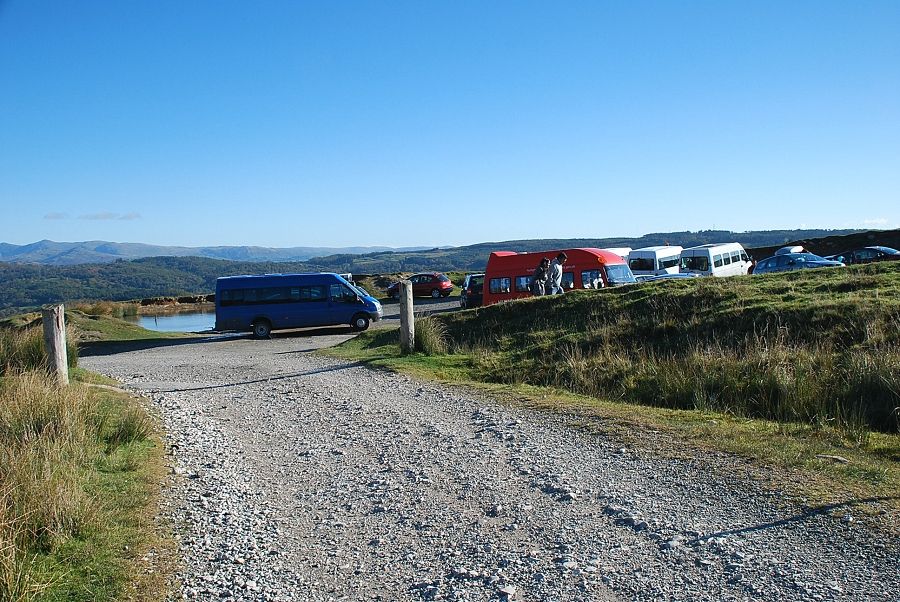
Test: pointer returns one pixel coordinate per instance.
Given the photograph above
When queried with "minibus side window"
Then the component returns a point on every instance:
(591, 279)
(717, 261)
(313, 293)
(342, 294)
(568, 280)
(726, 259)
(695, 262)
(735, 256)
(523, 284)
(232, 297)
(668, 262)
(499, 286)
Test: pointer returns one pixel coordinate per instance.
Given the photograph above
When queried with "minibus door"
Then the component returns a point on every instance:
(344, 303)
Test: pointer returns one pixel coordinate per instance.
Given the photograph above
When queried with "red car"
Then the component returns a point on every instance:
(432, 284)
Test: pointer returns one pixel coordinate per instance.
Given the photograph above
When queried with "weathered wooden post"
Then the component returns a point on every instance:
(54, 320)
(407, 321)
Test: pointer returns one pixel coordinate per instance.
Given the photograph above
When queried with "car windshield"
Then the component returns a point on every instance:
(619, 274)
(443, 278)
(699, 263)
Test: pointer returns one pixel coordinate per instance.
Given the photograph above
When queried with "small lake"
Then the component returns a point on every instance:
(189, 321)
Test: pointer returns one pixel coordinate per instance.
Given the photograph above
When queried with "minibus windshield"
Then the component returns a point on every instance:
(619, 274)
(359, 290)
(699, 263)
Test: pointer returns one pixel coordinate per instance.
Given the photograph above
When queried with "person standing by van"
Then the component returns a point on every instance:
(555, 280)
(539, 281)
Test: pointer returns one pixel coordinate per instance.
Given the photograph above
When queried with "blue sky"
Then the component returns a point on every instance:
(428, 123)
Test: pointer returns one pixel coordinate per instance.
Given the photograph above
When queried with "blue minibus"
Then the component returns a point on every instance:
(261, 304)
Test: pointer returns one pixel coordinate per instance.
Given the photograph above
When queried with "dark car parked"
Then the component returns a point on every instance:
(867, 255)
(471, 294)
(432, 284)
(793, 261)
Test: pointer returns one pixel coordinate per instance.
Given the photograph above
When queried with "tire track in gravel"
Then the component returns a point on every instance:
(305, 478)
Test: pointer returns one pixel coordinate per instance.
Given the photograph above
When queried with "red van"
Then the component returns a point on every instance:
(508, 274)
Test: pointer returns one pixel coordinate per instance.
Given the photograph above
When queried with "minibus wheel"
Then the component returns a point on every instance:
(360, 322)
(262, 329)
(435, 293)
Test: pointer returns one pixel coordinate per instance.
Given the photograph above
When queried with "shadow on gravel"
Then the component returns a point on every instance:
(98, 348)
(268, 379)
(95, 348)
(810, 512)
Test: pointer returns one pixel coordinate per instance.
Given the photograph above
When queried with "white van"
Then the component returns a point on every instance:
(654, 261)
(620, 251)
(725, 259)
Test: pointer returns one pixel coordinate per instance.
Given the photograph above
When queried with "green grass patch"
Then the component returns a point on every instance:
(80, 469)
(816, 347)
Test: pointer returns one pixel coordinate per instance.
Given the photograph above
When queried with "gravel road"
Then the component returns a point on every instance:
(299, 477)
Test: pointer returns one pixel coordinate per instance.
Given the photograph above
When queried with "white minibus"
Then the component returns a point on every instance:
(620, 251)
(654, 261)
(724, 259)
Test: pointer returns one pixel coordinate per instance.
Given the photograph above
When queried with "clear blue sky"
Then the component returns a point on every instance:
(433, 123)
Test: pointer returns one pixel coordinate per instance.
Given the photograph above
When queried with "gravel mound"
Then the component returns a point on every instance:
(300, 477)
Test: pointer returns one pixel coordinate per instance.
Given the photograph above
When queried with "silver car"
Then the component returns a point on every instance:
(794, 261)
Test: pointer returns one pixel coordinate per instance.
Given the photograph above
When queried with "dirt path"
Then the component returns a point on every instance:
(306, 478)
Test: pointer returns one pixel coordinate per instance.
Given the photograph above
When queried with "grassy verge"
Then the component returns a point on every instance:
(80, 473)
(817, 346)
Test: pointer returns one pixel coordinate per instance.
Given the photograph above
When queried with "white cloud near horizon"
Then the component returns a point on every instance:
(56, 215)
(879, 223)
(108, 215)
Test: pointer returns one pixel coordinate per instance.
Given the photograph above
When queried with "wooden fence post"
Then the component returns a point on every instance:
(54, 320)
(407, 321)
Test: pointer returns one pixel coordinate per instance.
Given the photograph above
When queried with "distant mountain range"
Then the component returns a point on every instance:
(48, 252)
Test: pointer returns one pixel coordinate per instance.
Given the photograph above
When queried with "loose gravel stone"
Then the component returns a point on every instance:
(298, 477)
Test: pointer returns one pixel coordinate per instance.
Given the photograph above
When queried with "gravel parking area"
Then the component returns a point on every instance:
(299, 477)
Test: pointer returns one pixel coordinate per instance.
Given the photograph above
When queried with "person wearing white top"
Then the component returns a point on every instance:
(554, 281)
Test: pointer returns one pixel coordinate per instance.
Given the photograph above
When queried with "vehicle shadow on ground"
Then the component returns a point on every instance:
(101, 348)
(97, 348)
(268, 378)
(798, 518)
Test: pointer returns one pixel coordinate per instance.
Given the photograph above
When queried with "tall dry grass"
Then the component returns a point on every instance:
(23, 349)
(115, 309)
(16, 584)
(854, 390)
(48, 435)
(430, 336)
